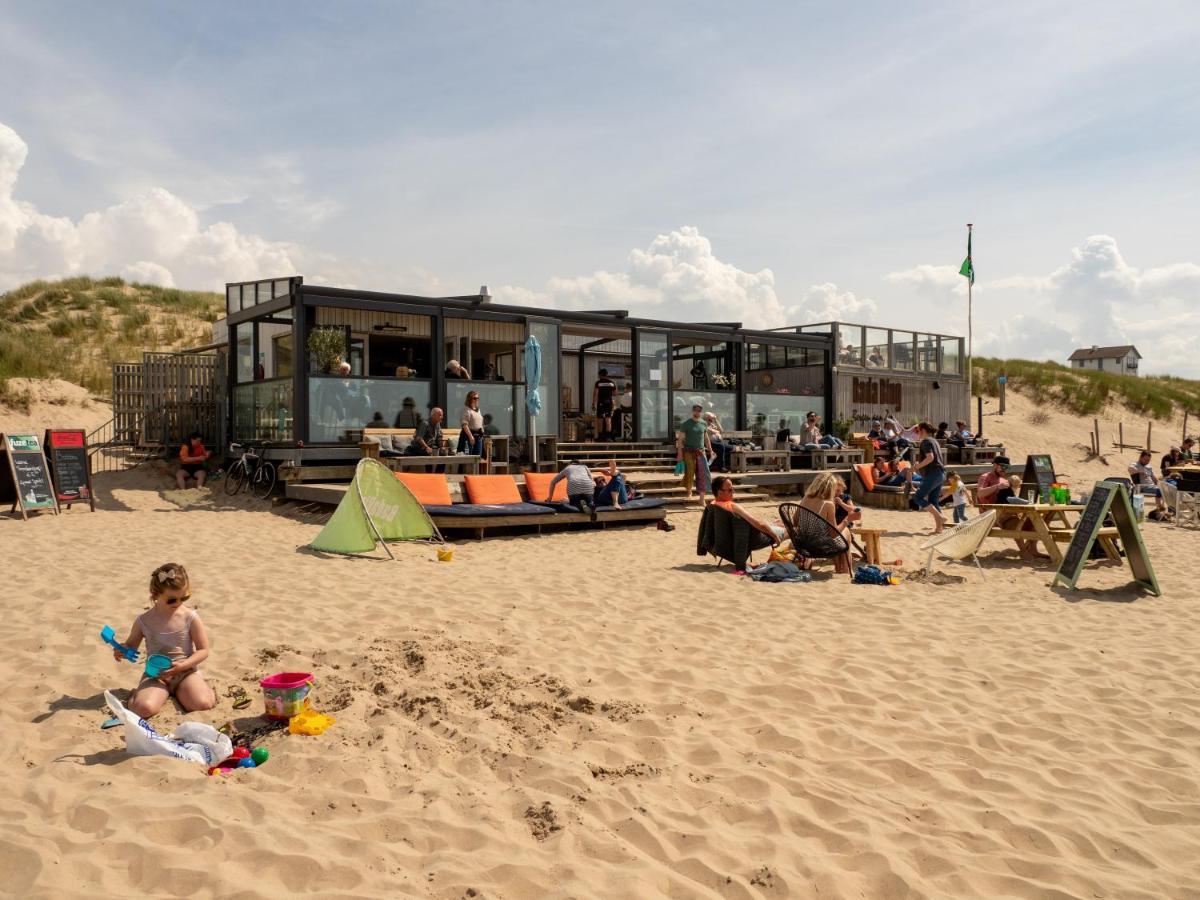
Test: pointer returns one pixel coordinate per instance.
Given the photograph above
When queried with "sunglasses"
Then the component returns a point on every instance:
(171, 601)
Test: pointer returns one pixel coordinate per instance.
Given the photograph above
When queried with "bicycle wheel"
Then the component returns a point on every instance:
(263, 481)
(235, 477)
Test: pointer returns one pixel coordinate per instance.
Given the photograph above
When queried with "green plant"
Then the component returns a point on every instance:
(327, 346)
(842, 428)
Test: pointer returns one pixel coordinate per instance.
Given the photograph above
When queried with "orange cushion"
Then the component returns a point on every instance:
(430, 490)
(537, 484)
(492, 489)
(867, 474)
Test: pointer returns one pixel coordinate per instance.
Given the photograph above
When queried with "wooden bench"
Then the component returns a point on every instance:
(827, 457)
(973, 456)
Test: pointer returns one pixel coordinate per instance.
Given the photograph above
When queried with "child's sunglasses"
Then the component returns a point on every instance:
(171, 601)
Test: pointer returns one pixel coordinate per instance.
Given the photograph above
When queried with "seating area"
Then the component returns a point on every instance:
(482, 502)
(865, 492)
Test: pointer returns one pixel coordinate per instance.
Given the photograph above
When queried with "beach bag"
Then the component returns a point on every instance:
(867, 574)
(193, 741)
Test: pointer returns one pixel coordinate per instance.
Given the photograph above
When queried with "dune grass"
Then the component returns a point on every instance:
(76, 328)
(1087, 392)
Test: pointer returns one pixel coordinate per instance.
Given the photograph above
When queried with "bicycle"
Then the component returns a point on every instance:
(253, 469)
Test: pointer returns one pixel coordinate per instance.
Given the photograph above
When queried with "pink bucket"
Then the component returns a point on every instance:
(286, 694)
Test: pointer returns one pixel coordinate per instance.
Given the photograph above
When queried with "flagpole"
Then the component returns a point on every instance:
(970, 324)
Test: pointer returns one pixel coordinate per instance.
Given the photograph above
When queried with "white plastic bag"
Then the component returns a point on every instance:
(193, 741)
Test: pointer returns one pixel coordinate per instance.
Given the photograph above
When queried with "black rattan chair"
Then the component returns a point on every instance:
(812, 536)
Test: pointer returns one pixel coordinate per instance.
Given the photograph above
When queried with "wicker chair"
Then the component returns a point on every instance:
(728, 537)
(812, 536)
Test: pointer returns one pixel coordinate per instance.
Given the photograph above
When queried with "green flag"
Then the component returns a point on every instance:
(968, 268)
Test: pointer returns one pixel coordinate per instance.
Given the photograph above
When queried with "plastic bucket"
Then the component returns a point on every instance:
(157, 664)
(445, 554)
(286, 694)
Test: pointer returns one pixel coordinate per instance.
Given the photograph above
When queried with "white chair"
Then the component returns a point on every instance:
(960, 541)
(1187, 509)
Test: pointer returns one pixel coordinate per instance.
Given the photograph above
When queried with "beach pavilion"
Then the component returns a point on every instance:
(398, 348)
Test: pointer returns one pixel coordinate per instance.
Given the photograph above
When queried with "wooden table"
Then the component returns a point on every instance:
(758, 460)
(870, 541)
(973, 456)
(465, 463)
(1049, 524)
(828, 457)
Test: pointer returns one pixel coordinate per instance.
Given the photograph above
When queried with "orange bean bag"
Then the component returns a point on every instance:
(867, 474)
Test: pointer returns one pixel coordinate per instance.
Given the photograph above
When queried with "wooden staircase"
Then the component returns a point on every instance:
(648, 464)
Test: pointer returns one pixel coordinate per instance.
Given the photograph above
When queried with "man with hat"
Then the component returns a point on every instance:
(994, 486)
(691, 440)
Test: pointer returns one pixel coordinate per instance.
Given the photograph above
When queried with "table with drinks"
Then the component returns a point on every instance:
(1048, 525)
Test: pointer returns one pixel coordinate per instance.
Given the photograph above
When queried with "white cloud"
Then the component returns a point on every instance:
(679, 278)
(1096, 297)
(154, 234)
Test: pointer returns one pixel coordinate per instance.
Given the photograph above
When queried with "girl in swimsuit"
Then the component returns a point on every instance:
(172, 630)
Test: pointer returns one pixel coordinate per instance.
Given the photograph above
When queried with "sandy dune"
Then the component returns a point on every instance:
(605, 715)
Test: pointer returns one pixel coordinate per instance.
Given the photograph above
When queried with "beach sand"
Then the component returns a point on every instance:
(604, 714)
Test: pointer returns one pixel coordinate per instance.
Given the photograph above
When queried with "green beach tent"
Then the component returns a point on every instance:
(376, 507)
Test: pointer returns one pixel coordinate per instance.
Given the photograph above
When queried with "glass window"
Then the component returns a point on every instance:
(877, 349)
(233, 298)
(703, 366)
(769, 413)
(263, 292)
(497, 402)
(245, 352)
(902, 350)
(652, 385)
(262, 411)
(927, 353)
(485, 347)
(327, 346)
(280, 288)
(952, 355)
(282, 353)
(723, 405)
(339, 406)
(850, 345)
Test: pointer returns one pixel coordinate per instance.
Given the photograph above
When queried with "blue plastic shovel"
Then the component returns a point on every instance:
(110, 637)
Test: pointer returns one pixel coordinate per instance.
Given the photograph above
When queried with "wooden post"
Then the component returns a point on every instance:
(979, 416)
(1121, 436)
(1096, 431)
(1149, 425)
(1185, 418)
(1003, 385)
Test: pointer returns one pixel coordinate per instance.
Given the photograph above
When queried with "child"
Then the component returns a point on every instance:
(958, 496)
(173, 630)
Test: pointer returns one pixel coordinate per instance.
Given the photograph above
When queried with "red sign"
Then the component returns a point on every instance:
(66, 438)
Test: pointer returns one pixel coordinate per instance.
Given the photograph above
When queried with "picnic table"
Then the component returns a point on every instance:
(827, 457)
(1047, 524)
(743, 460)
(973, 456)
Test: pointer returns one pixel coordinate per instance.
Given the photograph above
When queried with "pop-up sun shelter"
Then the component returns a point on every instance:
(376, 507)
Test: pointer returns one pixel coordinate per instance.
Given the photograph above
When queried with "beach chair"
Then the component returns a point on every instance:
(728, 537)
(812, 536)
(961, 541)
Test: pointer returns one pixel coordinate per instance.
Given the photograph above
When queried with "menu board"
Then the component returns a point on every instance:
(1108, 497)
(70, 466)
(28, 481)
(1038, 476)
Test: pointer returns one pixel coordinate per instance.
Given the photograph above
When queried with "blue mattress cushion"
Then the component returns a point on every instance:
(487, 509)
(640, 503)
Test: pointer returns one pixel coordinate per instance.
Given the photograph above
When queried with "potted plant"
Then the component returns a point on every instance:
(326, 347)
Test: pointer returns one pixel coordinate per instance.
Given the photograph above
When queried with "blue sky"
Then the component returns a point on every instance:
(765, 160)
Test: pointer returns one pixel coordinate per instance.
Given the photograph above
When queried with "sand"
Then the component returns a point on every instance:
(605, 714)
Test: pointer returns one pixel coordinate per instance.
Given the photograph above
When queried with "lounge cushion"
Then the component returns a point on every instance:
(491, 489)
(639, 503)
(429, 489)
(537, 486)
(867, 475)
(488, 509)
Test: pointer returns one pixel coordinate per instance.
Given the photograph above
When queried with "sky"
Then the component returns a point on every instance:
(770, 163)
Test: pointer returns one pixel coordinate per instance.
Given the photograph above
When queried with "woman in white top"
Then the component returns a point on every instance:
(470, 435)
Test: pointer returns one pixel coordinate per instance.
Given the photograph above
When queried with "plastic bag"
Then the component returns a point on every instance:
(193, 741)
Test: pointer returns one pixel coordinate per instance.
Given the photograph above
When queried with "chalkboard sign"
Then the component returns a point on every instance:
(70, 467)
(1108, 497)
(26, 474)
(1039, 475)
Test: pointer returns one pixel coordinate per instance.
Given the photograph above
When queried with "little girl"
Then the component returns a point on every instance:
(172, 630)
(958, 496)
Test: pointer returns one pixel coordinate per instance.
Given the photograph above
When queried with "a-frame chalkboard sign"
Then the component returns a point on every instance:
(24, 478)
(1107, 497)
(70, 466)
(1038, 476)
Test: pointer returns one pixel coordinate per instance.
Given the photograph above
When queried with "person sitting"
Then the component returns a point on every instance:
(875, 435)
(814, 437)
(408, 417)
(427, 441)
(1169, 461)
(722, 488)
(942, 433)
(846, 512)
(193, 461)
(489, 426)
(377, 421)
(1144, 479)
(820, 497)
(455, 370)
(961, 435)
(611, 489)
(997, 486)
(720, 449)
(887, 474)
(1188, 451)
(876, 358)
(581, 489)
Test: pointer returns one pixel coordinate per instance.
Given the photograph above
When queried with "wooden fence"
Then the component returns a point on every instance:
(165, 397)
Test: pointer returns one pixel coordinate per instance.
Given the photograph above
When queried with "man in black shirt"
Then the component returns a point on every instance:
(602, 403)
(933, 475)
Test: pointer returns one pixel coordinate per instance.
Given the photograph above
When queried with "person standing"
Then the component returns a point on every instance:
(470, 435)
(691, 440)
(933, 475)
(603, 392)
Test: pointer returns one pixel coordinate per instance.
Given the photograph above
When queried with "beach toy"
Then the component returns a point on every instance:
(240, 753)
(246, 763)
(157, 664)
(110, 637)
(260, 755)
(286, 693)
(445, 554)
(310, 722)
